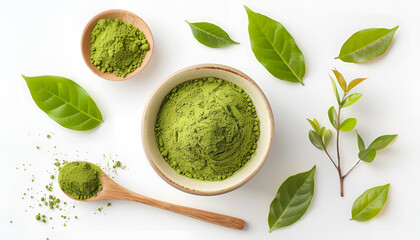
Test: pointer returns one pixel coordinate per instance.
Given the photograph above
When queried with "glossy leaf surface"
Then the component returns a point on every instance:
(275, 48)
(210, 35)
(64, 101)
(332, 115)
(360, 142)
(354, 83)
(292, 200)
(327, 137)
(367, 155)
(351, 99)
(370, 203)
(348, 124)
(366, 45)
(382, 142)
(315, 139)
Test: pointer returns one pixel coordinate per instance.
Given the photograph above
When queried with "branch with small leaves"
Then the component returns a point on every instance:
(320, 136)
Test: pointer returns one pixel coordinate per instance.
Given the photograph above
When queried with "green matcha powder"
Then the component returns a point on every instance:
(207, 129)
(80, 180)
(117, 47)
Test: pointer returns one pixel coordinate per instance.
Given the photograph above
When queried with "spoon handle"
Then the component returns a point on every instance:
(220, 219)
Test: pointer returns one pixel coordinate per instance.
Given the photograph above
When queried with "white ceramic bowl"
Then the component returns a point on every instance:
(244, 174)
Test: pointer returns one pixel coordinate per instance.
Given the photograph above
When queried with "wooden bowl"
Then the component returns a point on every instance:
(127, 17)
(244, 174)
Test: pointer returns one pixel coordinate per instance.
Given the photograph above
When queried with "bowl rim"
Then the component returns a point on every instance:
(196, 67)
(86, 53)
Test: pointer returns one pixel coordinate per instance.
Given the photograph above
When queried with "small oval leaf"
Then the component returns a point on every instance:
(64, 101)
(314, 124)
(315, 139)
(360, 142)
(366, 45)
(354, 83)
(367, 155)
(340, 80)
(337, 96)
(382, 142)
(332, 115)
(210, 35)
(370, 203)
(275, 48)
(292, 200)
(351, 99)
(348, 124)
(327, 137)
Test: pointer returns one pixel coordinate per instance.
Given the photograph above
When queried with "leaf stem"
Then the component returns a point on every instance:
(345, 175)
(325, 150)
(340, 175)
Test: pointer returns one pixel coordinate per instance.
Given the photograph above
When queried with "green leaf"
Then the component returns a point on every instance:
(370, 203)
(315, 139)
(351, 99)
(354, 83)
(366, 44)
(348, 124)
(322, 132)
(367, 155)
(292, 200)
(382, 142)
(360, 142)
(210, 35)
(340, 80)
(275, 48)
(337, 96)
(332, 115)
(314, 124)
(327, 137)
(64, 101)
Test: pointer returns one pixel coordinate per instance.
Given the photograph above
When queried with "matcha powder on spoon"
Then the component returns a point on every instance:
(80, 180)
(207, 129)
(117, 47)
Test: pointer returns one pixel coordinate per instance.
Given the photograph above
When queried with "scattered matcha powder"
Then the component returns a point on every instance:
(207, 128)
(117, 47)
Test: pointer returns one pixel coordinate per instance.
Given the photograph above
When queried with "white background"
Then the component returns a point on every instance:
(43, 37)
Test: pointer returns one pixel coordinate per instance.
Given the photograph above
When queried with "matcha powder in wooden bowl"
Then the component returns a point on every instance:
(117, 47)
(207, 129)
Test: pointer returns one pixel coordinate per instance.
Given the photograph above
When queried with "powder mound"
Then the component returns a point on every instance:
(80, 180)
(207, 129)
(117, 47)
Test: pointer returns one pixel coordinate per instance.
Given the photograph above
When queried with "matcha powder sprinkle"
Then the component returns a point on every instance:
(207, 129)
(80, 180)
(117, 47)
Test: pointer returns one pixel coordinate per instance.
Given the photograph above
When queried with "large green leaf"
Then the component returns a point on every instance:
(382, 141)
(370, 203)
(292, 200)
(64, 101)
(210, 35)
(366, 44)
(275, 48)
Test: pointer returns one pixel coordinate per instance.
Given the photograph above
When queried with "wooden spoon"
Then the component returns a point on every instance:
(111, 190)
(127, 17)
